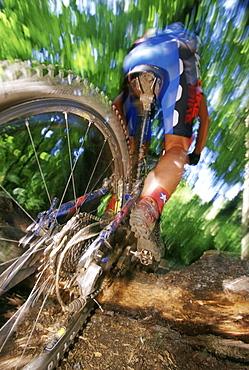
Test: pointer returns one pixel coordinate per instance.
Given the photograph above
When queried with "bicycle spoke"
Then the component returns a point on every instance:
(8, 328)
(73, 167)
(35, 323)
(7, 276)
(70, 155)
(37, 160)
(103, 173)
(95, 166)
(15, 201)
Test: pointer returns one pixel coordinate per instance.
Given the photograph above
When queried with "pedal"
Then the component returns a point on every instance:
(145, 257)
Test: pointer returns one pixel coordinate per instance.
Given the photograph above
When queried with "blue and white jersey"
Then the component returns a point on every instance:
(173, 51)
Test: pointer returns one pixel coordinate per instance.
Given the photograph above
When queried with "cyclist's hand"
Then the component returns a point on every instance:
(193, 158)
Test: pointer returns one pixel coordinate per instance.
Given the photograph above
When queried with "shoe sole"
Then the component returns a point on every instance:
(139, 228)
(145, 239)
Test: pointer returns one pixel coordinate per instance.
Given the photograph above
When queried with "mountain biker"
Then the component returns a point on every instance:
(174, 51)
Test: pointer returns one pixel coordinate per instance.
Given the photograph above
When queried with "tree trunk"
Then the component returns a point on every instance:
(245, 206)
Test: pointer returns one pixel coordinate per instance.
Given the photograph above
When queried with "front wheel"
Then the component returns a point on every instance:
(59, 145)
(57, 139)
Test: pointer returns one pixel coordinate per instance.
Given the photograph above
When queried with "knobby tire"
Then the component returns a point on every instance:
(45, 116)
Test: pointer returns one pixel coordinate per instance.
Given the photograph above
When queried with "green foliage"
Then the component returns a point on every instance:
(27, 181)
(184, 227)
(230, 144)
(188, 230)
(226, 227)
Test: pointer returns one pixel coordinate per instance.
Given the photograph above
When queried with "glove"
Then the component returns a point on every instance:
(193, 158)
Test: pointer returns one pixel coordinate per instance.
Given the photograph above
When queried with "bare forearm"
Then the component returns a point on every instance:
(204, 127)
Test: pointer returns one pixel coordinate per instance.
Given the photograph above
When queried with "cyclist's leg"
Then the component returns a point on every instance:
(159, 185)
(168, 171)
(162, 181)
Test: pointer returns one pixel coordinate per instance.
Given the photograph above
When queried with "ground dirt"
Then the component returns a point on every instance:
(125, 336)
(119, 342)
(118, 338)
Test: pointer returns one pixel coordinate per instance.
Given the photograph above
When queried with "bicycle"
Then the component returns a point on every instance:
(56, 127)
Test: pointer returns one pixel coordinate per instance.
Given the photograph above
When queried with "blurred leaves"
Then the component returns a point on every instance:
(189, 228)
